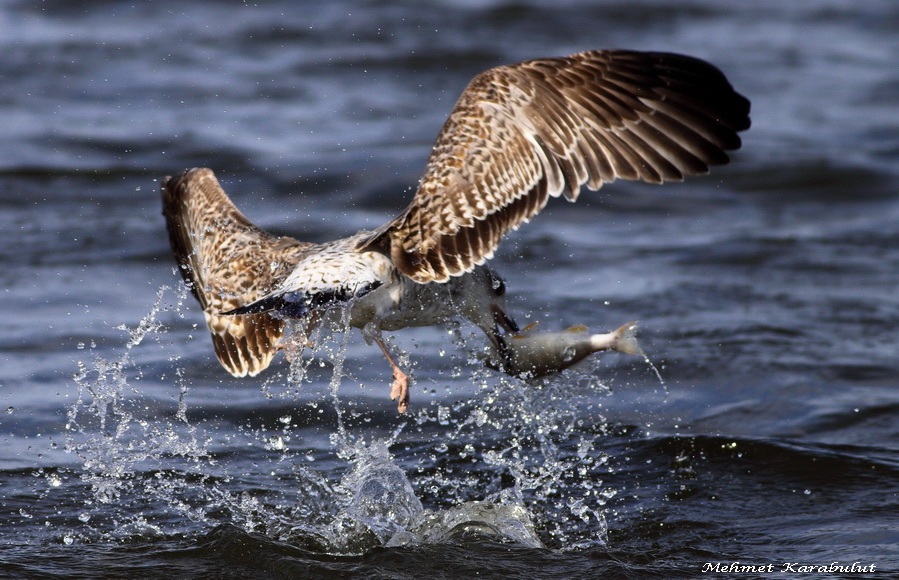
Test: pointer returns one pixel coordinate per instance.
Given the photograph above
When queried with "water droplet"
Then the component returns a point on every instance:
(276, 443)
(84, 517)
(443, 415)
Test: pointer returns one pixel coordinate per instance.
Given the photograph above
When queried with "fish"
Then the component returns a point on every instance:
(530, 354)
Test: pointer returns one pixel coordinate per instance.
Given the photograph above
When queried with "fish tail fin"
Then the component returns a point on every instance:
(625, 339)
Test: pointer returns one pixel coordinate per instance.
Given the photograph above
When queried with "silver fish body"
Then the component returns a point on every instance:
(534, 354)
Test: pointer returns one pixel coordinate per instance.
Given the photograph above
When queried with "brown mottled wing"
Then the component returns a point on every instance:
(227, 261)
(522, 133)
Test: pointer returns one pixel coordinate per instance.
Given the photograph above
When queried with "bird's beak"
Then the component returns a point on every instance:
(502, 319)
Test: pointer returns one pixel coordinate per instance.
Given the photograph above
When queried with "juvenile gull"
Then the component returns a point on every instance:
(518, 135)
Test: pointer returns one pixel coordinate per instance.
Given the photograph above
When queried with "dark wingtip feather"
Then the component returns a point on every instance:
(266, 304)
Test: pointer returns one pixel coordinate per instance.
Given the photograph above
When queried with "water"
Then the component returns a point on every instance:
(766, 293)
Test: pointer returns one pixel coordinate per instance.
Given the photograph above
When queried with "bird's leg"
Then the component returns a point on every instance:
(399, 390)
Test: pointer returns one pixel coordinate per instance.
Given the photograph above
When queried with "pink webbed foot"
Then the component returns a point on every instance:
(399, 390)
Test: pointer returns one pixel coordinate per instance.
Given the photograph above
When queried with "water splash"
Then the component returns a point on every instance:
(380, 495)
(537, 440)
(502, 517)
(658, 374)
(116, 440)
(516, 458)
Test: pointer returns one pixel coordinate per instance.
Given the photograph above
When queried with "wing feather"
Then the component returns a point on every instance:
(227, 261)
(520, 134)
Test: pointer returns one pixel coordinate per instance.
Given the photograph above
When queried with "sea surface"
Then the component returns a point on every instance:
(763, 430)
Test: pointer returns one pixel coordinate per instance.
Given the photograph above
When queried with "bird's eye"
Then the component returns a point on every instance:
(499, 287)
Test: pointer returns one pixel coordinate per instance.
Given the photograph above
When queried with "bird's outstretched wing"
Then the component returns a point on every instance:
(226, 262)
(524, 132)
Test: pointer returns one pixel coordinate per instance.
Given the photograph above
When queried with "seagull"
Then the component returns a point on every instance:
(518, 135)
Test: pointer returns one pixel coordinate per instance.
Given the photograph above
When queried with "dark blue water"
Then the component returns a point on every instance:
(768, 297)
